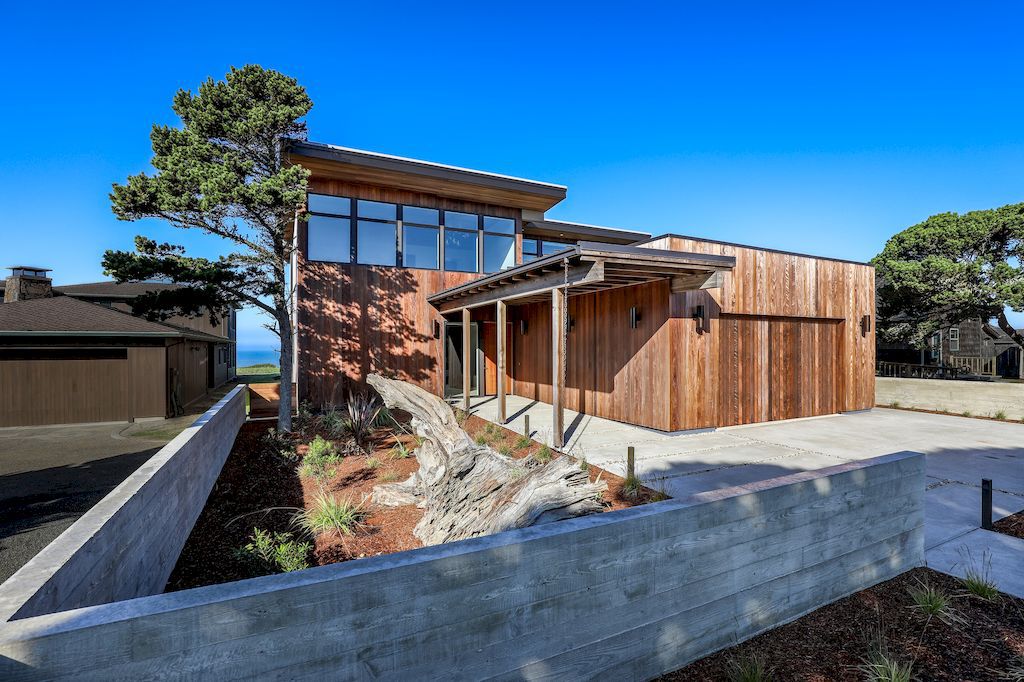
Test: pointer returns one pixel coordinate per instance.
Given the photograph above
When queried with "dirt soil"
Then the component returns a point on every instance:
(260, 488)
(1011, 525)
(986, 643)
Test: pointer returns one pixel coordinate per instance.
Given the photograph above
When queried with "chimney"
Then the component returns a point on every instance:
(26, 282)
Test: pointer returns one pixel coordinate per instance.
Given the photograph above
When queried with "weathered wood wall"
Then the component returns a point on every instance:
(190, 359)
(626, 595)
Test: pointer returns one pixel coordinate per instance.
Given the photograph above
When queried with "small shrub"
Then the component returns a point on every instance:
(460, 418)
(980, 584)
(389, 477)
(363, 411)
(631, 487)
(523, 442)
(746, 668)
(332, 422)
(321, 450)
(966, 413)
(373, 463)
(400, 451)
(505, 450)
(882, 667)
(1000, 415)
(584, 465)
(330, 514)
(482, 439)
(933, 602)
(276, 552)
(320, 472)
(543, 455)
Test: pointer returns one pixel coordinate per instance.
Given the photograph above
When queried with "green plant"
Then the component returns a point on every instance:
(275, 552)
(400, 451)
(880, 666)
(523, 442)
(389, 477)
(385, 418)
(543, 455)
(373, 463)
(748, 668)
(482, 439)
(332, 422)
(321, 450)
(331, 514)
(461, 416)
(584, 465)
(978, 581)
(280, 444)
(1015, 673)
(1000, 415)
(966, 413)
(505, 450)
(894, 404)
(631, 487)
(933, 602)
(363, 410)
(320, 472)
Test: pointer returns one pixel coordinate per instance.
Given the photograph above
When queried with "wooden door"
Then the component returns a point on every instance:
(489, 342)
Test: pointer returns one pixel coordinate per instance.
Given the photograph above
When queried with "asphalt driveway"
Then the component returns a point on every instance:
(51, 475)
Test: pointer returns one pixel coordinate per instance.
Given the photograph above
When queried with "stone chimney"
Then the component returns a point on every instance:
(26, 282)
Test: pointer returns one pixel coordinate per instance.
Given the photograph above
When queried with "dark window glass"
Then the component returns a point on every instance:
(376, 243)
(499, 252)
(530, 247)
(502, 225)
(549, 248)
(460, 251)
(377, 209)
(324, 203)
(329, 239)
(423, 216)
(461, 221)
(420, 247)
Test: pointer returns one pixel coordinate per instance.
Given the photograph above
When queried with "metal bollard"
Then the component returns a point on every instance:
(986, 503)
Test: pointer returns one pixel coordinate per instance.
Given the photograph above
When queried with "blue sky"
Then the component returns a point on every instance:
(805, 126)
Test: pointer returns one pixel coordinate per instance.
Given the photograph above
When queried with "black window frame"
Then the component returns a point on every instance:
(439, 228)
(484, 233)
(351, 228)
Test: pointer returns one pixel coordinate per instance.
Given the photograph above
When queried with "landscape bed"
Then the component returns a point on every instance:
(975, 639)
(262, 487)
(1011, 525)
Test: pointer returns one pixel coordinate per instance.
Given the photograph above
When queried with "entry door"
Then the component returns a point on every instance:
(489, 345)
(454, 357)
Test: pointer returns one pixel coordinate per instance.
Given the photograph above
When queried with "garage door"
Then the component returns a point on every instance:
(777, 368)
(63, 386)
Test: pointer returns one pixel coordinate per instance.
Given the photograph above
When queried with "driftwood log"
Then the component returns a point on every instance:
(468, 489)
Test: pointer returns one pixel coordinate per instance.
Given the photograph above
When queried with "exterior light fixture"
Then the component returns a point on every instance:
(700, 317)
(570, 323)
(437, 329)
(634, 317)
(522, 327)
(865, 325)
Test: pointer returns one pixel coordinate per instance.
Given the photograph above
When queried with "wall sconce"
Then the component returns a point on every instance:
(699, 316)
(437, 329)
(570, 323)
(522, 327)
(865, 325)
(634, 317)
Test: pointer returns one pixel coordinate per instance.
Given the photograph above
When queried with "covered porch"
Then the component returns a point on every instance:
(614, 303)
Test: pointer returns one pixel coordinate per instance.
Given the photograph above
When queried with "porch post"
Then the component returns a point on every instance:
(558, 365)
(467, 359)
(501, 315)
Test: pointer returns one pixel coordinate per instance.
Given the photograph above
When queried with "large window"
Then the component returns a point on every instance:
(376, 233)
(420, 237)
(499, 243)
(461, 240)
(345, 230)
(330, 229)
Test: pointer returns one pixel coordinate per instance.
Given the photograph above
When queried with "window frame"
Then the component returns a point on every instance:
(954, 339)
(351, 228)
(484, 233)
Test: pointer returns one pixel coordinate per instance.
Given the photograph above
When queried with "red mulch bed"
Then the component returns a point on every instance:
(832, 642)
(1011, 525)
(259, 488)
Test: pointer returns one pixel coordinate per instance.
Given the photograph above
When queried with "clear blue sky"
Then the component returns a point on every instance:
(809, 127)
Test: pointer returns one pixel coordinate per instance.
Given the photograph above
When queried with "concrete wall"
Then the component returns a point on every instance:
(980, 398)
(623, 595)
(127, 545)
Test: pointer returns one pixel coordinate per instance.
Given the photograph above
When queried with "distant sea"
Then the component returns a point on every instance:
(258, 356)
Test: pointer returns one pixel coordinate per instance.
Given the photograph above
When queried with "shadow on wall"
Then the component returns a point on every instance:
(356, 320)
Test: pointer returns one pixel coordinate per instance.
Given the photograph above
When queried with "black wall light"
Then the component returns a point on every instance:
(570, 323)
(634, 317)
(522, 327)
(865, 325)
(699, 316)
(437, 329)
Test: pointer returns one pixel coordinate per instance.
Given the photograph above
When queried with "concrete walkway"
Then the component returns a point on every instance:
(961, 451)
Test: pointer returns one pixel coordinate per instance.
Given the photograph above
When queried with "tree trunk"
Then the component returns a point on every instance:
(470, 490)
(284, 405)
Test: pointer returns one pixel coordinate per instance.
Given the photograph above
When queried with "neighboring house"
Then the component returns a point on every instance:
(67, 359)
(432, 274)
(978, 346)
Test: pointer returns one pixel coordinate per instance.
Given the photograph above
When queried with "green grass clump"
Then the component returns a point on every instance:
(330, 514)
(894, 404)
(373, 463)
(966, 413)
(881, 667)
(980, 584)
(400, 451)
(332, 422)
(632, 487)
(505, 450)
(1000, 415)
(749, 669)
(933, 602)
(275, 552)
(543, 455)
(389, 477)
(523, 442)
(319, 460)
(482, 439)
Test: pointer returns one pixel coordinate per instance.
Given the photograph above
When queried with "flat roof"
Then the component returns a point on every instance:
(564, 228)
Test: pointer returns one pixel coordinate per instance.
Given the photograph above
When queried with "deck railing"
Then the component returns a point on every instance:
(975, 365)
(906, 370)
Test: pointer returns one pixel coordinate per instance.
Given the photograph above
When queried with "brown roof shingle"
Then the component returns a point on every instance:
(111, 288)
(66, 315)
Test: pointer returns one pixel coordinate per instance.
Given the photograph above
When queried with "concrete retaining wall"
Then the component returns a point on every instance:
(980, 398)
(623, 595)
(126, 546)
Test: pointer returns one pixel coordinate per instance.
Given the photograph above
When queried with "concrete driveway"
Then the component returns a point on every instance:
(51, 475)
(961, 451)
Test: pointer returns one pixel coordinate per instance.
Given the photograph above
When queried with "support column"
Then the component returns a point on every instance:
(502, 314)
(557, 366)
(467, 359)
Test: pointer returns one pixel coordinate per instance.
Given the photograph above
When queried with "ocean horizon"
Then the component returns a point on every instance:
(258, 356)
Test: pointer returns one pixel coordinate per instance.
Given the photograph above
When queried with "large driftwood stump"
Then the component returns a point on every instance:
(469, 490)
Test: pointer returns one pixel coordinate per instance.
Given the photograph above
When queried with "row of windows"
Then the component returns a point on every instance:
(342, 230)
(535, 248)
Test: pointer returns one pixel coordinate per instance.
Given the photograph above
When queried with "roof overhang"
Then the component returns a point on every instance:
(556, 229)
(363, 167)
(585, 268)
